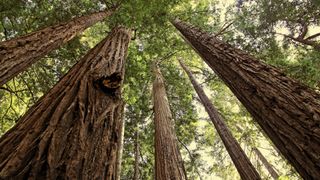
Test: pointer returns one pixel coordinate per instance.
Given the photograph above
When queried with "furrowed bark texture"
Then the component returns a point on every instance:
(168, 159)
(17, 54)
(288, 112)
(239, 158)
(73, 131)
(266, 164)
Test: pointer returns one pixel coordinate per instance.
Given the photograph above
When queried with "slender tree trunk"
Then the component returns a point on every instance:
(192, 159)
(136, 156)
(239, 158)
(288, 112)
(168, 160)
(266, 164)
(17, 54)
(73, 131)
(120, 151)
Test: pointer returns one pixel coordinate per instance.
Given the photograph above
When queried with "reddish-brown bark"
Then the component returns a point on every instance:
(239, 158)
(288, 112)
(17, 54)
(73, 131)
(168, 159)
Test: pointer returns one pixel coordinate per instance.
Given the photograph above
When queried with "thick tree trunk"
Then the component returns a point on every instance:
(266, 164)
(17, 54)
(136, 156)
(288, 112)
(73, 131)
(239, 158)
(168, 160)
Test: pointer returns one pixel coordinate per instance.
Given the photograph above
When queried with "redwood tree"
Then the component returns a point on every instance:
(168, 159)
(266, 164)
(120, 148)
(261, 157)
(288, 112)
(17, 54)
(239, 158)
(136, 155)
(73, 131)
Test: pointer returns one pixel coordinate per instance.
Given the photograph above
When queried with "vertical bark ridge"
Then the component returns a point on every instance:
(168, 160)
(17, 54)
(73, 131)
(266, 164)
(288, 112)
(239, 158)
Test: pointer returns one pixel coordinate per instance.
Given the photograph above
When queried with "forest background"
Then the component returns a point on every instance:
(264, 28)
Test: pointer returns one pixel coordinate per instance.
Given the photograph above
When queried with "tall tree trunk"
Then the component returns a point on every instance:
(168, 160)
(239, 158)
(136, 156)
(73, 131)
(266, 164)
(120, 151)
(17, 54)
(288, 112)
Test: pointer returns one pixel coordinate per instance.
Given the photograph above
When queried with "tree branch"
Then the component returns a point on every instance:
(191, 157)
(313, 36)
(223, 29)
(309, 42)
(304, 31)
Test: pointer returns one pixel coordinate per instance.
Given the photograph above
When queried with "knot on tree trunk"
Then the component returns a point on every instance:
(110, 85)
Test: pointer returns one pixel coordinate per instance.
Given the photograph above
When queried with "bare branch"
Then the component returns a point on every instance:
(191, 158)
(223, 29)
(307, 41)
(6, 89)
(313, 36)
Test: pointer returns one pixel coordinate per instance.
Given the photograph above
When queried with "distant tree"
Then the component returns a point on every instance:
(136, 154)
(120, 148)
(73, 132)
(17, 54)
(288, 112)
(297, 16)
(265, 162)
(260, 156)
(239, 158)
(168, 160)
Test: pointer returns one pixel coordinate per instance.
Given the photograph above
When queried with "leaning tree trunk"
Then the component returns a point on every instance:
(168, 160)
(239, 158)
(288, 112)
(17, 54)
(261, 157)
(266, 164)
(73, 131)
